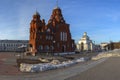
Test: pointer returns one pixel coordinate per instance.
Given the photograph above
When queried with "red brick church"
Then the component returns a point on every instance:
(52, 37)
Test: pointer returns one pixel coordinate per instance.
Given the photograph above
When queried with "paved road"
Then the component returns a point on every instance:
(108, 70)
(59, 74)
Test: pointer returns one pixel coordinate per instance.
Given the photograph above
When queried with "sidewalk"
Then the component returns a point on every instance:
(108, 70)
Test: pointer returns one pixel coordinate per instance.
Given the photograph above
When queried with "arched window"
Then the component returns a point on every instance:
(40, 36)
(46, 37)
(47, 47)
(40, 47)
(61, 35)
(51, 47)
(58, 45)
(51, 37)
(65, 36)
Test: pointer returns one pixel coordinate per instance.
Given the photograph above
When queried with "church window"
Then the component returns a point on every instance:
(46, 37)
(65, 36)
(40, 37)
(47, 47)
(52, 47)
(61, 36)
(51, 37)
(58, 45)
(40, 47)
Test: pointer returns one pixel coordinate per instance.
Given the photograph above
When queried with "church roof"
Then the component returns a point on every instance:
(56, 16)
(36, 13)
(57, 7)
(85, 36)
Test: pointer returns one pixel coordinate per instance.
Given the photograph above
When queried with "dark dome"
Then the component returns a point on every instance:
(36, 13)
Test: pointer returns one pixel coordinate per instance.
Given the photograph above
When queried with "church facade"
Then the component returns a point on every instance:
(54, 36)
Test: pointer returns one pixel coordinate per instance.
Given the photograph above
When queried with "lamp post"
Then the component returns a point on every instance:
(53, 46)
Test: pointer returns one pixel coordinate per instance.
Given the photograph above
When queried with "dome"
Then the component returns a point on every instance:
(85, 35)
(36, 16)
(36, 13)
(57, 7)
(56, 16)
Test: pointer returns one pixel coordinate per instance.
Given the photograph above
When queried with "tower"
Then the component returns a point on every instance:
(61, 30)
(36, 27)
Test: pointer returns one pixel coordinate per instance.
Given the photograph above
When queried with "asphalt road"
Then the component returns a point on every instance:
(108, 70)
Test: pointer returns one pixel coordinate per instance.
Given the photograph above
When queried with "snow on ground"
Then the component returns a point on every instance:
(47, 66)
(113, 53)
(56, 64)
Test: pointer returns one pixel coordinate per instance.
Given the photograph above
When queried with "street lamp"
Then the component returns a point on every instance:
(53, 46)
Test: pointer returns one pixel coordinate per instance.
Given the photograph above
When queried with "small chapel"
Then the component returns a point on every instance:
(85, 44)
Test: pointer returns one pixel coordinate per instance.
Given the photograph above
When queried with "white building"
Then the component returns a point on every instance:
(104, 46)
(12, 45)
(85, 44)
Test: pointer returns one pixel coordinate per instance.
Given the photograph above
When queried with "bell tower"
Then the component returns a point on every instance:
(36, 26)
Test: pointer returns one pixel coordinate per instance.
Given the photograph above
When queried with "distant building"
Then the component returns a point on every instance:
(52, 37)
(113, 45)
(103, 46)
(12, 45)
(85, 44)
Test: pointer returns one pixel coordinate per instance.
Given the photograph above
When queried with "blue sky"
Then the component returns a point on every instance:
(99, 18)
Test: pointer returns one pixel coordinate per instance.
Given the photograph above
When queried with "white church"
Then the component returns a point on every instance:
(85, 44)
